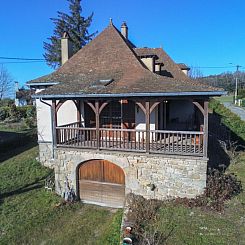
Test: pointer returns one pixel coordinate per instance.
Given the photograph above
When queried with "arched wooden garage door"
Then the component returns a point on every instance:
(102, 182)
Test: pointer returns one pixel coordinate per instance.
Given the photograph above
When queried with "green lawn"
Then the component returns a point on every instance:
(195, 226)
(225, 98)
(29, 214)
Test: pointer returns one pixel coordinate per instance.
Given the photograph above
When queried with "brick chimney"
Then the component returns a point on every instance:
(66, 48)
(124, 29)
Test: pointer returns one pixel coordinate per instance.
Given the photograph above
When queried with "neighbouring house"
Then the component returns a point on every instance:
(23, 96)
(116, 119)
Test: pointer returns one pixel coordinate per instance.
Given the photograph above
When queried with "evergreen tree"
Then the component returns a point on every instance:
(77, 27)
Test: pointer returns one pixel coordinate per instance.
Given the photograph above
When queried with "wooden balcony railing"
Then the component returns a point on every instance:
(160, 141)
(71, 125)
(176, 142)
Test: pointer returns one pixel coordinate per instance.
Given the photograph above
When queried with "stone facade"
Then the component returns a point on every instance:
(152, 176)
(46, 154)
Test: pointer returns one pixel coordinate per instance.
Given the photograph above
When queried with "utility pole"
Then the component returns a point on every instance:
(236, 89)
(236, 79)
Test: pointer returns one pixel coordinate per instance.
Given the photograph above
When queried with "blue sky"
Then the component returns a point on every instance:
(199, 33)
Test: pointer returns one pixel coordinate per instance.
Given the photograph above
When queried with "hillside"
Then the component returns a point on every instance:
(225, 80)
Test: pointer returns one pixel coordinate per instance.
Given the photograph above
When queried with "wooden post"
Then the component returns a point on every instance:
(205, 130)
(165, 114)
(54, 122)
(97, 122)
(79, 112)
(147, 121)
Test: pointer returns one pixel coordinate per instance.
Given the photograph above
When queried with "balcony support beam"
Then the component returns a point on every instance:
(78, 105)
(147, 124)
(205, 129)
(97, 123)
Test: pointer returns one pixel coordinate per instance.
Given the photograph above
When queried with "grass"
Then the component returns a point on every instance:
(17, 127)
(225, 98)
(29, 214)
(194, 226)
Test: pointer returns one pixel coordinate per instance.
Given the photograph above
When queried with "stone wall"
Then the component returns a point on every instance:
(46, 154)
(171, 176)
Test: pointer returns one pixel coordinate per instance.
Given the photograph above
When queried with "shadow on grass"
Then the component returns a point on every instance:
(13, 151)
(13, 143)
(26, 188)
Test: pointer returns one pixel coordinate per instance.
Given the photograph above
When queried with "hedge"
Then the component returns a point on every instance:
(17, 113)
(229, 119)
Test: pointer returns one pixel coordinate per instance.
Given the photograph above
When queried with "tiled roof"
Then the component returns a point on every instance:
(110, 57)
(183, 66)
(170, 68)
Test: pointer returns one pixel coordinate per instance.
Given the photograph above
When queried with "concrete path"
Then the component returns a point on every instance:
(235, 109)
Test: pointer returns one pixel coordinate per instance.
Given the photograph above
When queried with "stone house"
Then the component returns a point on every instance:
(116, 119)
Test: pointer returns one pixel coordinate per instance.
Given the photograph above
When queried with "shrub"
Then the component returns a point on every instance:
(16, 114)
(6, 102)
(147, 224)
(221, 187)
(4, 112)
(30, 111)
(29, 122)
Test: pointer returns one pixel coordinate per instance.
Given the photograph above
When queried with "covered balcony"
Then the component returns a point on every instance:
(176, 126)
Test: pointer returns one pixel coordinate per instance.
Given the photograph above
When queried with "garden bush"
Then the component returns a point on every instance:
(6, 102)
(16, 114)
(4, 112)
(143, 214)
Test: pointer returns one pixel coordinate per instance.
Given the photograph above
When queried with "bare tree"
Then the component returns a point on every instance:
(6, 83)
(195, 73)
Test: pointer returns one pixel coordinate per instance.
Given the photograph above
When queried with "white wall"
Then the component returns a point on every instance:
(44, 122)
(20, 102)
(140, 119)
(67, 113)
(150, 63)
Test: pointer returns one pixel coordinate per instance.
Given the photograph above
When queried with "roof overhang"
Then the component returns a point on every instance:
(41, 84)
(123, 95)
